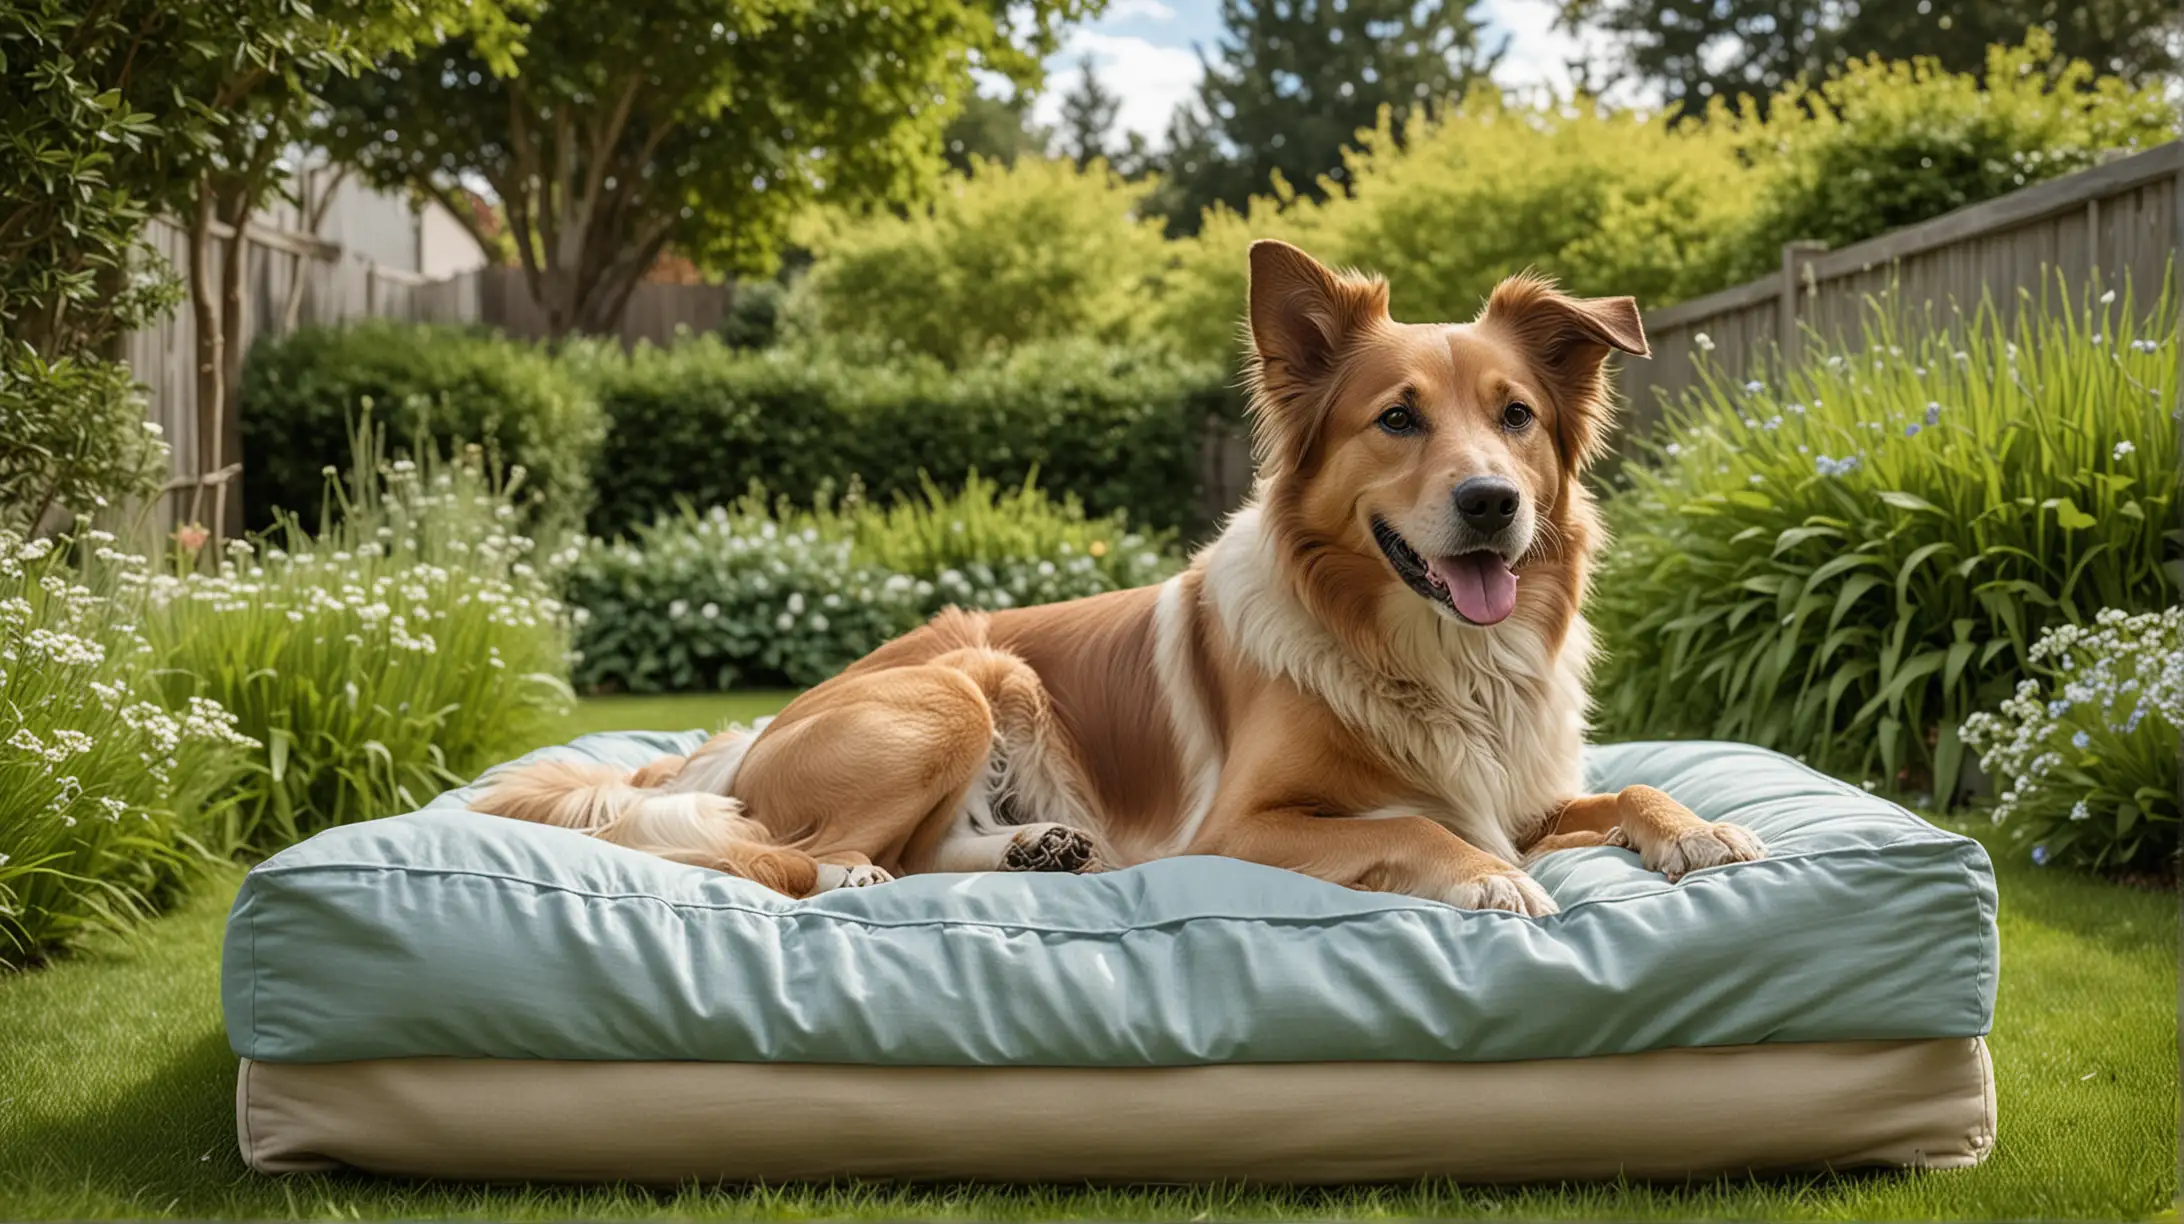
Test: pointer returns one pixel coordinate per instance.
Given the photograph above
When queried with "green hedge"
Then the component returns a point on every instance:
(761, 593)
(701, 423)
(302, 394)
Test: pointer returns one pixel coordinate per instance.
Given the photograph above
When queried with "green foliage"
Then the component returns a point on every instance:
(992, 129)
(757, 594)
(103, 792)
(1001, 257)
(2086, 755)
(1846, 568)
(1446, 202)
(1694, 53)
(303, 395)
(1882, 145)
(701, 423)
(73, 437)
(1288, 85)
(702, 124)
(404, 648)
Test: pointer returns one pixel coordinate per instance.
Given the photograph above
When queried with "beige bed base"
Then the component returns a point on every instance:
(1663, 1114)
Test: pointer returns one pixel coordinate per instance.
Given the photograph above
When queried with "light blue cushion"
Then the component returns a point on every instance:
(445, 932)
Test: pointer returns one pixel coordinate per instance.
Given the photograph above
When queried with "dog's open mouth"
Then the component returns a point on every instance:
(1478, 586)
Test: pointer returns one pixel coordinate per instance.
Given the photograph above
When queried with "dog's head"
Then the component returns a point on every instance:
(1441, 458)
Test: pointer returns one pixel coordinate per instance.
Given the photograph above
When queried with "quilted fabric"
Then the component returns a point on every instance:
(448, 933)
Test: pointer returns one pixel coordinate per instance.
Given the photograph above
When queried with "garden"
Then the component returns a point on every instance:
(1939, 557)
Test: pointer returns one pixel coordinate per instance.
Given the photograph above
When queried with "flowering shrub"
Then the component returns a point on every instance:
(2086, 756)
(756, 594)
(102, 788)
(1849, 565)
(407, 646)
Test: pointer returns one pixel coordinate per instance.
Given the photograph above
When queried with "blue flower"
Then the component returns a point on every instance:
(2080, 740)
(2039, 856)
(1911, 431)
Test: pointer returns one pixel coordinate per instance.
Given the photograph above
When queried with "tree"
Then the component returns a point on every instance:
(992, 129)
(1692, 52)
(1088, 116)
(265, 98)
(1293, 81)
(702, 124)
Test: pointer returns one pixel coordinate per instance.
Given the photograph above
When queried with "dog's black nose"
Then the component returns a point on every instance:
(1487, 504)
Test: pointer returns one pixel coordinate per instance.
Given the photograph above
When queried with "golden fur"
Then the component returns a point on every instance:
(1297, 697)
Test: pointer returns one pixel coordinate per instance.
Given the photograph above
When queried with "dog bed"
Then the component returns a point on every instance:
(455, 995)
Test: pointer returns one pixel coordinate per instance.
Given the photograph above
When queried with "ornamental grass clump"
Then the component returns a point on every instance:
(1847, 564)
(406, 645)
(2085, 756)
(105, 793)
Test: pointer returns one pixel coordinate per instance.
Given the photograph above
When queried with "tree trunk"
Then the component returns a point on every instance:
(211, 336)
(229, 510)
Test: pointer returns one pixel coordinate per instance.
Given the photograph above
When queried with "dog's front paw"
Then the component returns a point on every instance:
(864, 875)
(1502, 890)
(1708, 845)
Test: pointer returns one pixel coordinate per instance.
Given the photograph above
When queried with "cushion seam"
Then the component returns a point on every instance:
(1953, 843)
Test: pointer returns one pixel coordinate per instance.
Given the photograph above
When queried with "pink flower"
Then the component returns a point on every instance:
(191, 537)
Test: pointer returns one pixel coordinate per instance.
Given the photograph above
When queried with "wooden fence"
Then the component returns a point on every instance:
(289, 280)
(293, 280)
(2117, 224)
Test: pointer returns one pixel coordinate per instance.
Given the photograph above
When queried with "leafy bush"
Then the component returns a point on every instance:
(73, 438)
(1609, 202)
(755, 594)
(103, 791)
(408, 645)
(1003, 256)
(303, 395)
(2087, 754)
(1881, 145)
(701, 423)
(1847, 569)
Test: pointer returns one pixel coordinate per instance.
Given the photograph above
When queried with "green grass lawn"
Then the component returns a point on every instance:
(117, 1095)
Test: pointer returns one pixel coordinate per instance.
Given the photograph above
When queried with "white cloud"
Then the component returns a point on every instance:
(1150, 10)
(1151, 79)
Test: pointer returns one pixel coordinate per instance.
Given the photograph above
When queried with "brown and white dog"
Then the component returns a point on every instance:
(1375, 675)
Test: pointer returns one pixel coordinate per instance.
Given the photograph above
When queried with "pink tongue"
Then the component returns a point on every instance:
(1479, 584)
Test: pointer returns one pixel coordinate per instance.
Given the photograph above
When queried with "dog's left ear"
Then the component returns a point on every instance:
(1569, 339)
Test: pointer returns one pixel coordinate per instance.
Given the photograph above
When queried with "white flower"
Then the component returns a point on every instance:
(2123, 448)
(1704, 342)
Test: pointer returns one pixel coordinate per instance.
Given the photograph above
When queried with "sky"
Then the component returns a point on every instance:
(1142, 50)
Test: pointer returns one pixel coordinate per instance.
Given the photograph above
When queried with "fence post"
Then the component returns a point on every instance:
(1797, 260)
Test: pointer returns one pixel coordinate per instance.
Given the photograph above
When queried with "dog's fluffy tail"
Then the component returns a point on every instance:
(646, 810)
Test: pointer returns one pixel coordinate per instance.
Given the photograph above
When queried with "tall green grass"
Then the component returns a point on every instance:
(104, 792)
(1849, 564)
(409, 643)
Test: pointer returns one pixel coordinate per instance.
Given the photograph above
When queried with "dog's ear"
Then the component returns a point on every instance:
(1303, 315)
(1568, 340)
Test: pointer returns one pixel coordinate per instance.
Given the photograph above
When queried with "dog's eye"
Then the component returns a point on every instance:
(1516, 417)
(1399, 420)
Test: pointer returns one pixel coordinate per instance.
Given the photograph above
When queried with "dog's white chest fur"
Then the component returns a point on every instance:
(1488, 725)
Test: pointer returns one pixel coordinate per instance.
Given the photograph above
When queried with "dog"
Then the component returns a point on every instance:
(1375, 674)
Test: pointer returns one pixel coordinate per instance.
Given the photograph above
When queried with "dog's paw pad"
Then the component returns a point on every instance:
(1513, 891)
(1712, 845)
(1054, 848)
